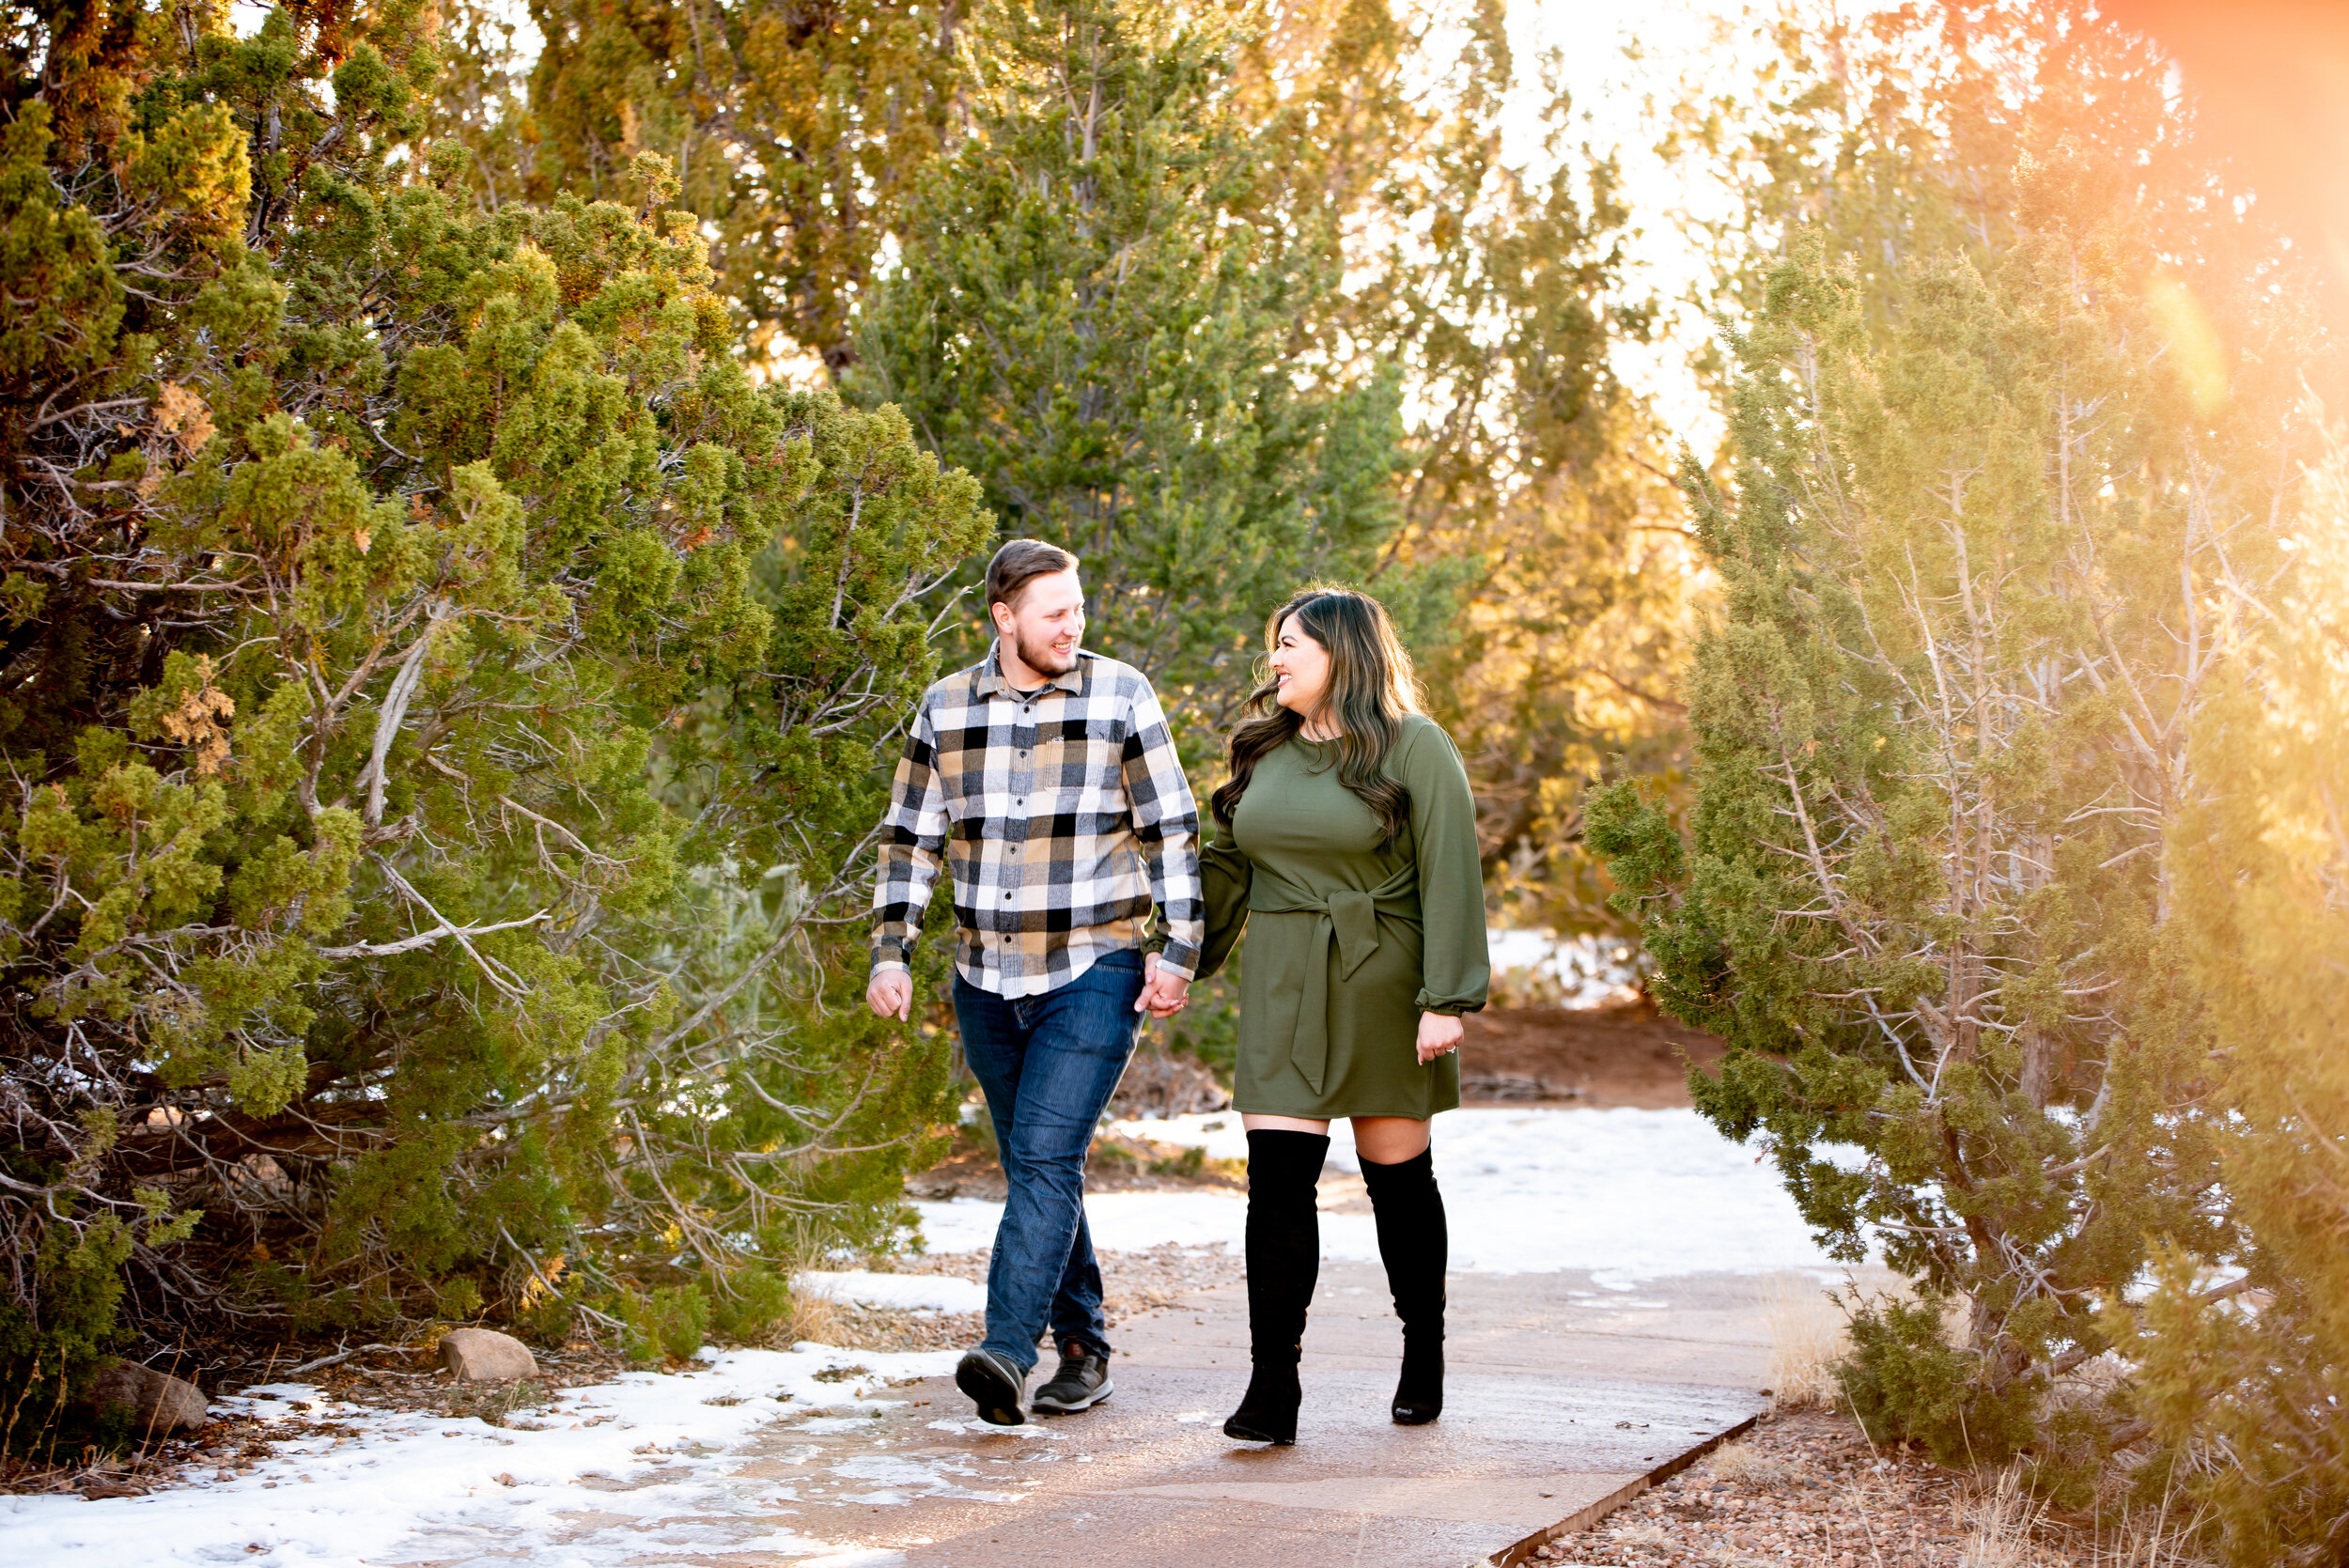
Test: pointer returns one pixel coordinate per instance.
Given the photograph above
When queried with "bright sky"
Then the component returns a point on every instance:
(1615, 56)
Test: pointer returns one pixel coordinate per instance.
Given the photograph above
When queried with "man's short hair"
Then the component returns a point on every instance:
(1021, 563)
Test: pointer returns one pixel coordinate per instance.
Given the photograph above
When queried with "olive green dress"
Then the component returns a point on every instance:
(1348, 940)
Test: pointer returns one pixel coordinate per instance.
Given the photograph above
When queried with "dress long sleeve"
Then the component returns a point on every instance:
(1225, 877)
(1455, 970)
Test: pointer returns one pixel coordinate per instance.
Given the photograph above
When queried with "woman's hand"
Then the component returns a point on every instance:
(1439, 1033)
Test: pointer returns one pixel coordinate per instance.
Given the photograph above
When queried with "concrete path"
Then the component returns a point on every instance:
(1560, 1398)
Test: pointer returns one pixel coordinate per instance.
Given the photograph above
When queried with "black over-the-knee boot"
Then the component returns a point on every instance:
(1412, 1243)
(1284, 1261)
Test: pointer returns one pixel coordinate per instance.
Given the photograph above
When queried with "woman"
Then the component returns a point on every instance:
(1346, 838)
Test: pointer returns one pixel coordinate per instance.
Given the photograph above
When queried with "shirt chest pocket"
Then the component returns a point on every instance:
(1077, 761)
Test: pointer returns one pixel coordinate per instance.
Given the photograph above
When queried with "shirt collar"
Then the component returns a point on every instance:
(992, 684)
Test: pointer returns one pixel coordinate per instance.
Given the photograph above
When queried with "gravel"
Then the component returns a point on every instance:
(1802, 1487)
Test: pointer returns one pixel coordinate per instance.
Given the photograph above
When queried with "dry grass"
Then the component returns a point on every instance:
(1747, 1465)
(1654, 1537)
(1807, 1339)
(814, 1316)
(1808, 1333)
(2158, 1538)
(2003, 1526)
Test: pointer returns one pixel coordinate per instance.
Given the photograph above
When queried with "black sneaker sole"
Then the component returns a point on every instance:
(997, 1397)
(1045, 1407)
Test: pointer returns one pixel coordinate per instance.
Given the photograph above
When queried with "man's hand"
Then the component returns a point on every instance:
(890, 993)
(1439, 1033)
(1162, 995)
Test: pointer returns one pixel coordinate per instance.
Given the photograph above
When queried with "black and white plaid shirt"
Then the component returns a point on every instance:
(1063, 814)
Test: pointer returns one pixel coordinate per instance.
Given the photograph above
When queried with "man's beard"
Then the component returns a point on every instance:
(1044, 658)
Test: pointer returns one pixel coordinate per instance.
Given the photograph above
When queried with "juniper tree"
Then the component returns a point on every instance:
(443, 697)
(1087, 317)
(1971, 554)
(1360, 153)
(2241, 1377)
(796, 130)
(1533, 488)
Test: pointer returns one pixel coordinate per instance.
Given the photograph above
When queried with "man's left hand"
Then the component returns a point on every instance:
(1162, 995)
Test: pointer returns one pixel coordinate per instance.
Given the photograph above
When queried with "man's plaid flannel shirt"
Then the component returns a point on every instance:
(1064, 815)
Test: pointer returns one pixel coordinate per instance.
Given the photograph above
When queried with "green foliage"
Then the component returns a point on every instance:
(1543, 551)
(759, 1298)
(56, 1336)
(1170, 329)
(796, 132)
(671, 1321)
(445, 698)
(2241, 1381)
(1904, 1381)
(1988, 500)
(1207, 1029)
(1085, 317)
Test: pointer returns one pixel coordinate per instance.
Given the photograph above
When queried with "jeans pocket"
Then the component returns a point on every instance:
(1096, 1016)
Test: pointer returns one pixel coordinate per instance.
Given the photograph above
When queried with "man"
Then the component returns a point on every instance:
(1045, 777)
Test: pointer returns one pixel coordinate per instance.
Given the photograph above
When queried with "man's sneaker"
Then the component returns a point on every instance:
(994, 1386)
(1082, 1382)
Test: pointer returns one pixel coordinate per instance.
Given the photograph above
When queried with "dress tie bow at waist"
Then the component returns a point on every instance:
(1350, 923)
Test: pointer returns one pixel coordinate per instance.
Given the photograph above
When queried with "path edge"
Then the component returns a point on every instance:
(1583, 1518)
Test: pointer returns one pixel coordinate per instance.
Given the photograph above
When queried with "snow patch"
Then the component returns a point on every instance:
(1627, 1195)
(607, 1474)
(938, 1293)
(1590, 972)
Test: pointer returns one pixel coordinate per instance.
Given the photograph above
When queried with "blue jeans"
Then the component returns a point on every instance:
(1047, 1065)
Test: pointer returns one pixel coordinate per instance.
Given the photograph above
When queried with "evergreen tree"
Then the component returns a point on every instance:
(2242, 1379)
(1534, 484)
(1353, 145)
(422, 640)
(1088, 317)
(795, 129)
(1980, 520)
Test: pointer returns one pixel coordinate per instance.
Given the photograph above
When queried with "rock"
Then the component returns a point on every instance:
(112, 1489)
(1158, 1084)
(158, 1402)
(486, 1356)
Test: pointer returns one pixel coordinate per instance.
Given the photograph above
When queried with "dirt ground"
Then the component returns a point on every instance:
(1628, 1054)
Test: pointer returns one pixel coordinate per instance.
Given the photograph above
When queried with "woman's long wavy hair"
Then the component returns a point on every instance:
(1372, 686)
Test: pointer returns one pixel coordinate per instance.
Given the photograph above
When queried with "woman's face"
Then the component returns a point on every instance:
(1301, 668)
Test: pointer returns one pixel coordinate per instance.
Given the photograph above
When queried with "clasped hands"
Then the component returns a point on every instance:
(1162, 995)
(890, 993)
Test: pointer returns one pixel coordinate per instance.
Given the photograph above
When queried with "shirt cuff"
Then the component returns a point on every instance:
(1181, 958)
(891, 966)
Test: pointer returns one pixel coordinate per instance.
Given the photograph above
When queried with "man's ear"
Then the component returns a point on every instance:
(1000, 613)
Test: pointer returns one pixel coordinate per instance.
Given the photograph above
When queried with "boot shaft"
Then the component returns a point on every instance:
(1283, 1239)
